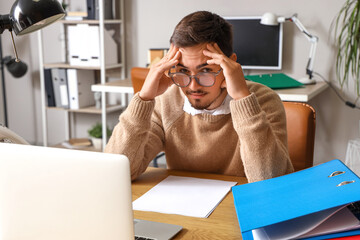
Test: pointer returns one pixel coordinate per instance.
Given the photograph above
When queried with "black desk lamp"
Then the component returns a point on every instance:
(25, 16)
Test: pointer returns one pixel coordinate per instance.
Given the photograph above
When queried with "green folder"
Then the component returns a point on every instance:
(275, 80)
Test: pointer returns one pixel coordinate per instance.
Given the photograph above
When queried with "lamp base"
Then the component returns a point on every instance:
(307, 81)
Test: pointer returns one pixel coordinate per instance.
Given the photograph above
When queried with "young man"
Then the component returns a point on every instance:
(196, 106)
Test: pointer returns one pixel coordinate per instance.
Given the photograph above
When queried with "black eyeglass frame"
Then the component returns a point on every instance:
(215, 74)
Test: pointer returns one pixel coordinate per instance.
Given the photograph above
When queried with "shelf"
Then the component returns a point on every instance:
(90, 148)
(93, 109)
(91, 22)
(68, 66)
(119, 86)
(102, 71)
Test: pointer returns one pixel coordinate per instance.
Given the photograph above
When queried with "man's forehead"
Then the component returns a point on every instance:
(198, 66)
(193, 49)
(193, 56)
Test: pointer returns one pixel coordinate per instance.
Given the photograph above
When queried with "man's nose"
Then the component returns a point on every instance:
(193, 83)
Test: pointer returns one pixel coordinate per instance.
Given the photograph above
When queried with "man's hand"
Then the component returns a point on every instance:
(234, 76)
(157, 82)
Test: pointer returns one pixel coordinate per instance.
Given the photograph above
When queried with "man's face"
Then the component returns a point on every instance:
(193, 61)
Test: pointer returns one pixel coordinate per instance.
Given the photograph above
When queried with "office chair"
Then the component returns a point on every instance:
(300, 119)
(8, 136)
(138, 75)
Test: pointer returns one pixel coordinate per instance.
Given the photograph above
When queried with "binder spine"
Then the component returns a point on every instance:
(49, 88)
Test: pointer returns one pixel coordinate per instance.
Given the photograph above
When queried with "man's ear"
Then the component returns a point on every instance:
(223, 84)
(233, 57)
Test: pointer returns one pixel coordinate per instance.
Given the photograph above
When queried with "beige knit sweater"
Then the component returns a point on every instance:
(251, 141)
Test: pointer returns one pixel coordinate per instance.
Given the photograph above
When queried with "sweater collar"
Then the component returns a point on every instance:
(224, 108)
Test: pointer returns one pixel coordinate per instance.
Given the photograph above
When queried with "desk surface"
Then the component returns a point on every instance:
(221, 224)
(302, 94)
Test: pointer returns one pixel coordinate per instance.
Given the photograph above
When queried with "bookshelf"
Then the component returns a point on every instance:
(116, 25)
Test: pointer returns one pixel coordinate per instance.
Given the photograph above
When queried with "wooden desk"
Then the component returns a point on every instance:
(303, 94)
(221, 224)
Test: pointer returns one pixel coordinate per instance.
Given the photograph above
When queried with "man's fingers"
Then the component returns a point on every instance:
(172, 52)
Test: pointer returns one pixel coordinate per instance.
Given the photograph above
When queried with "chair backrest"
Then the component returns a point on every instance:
(138, 75)
(8, 136)
(301, 119)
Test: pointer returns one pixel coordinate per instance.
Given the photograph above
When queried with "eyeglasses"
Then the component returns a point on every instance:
(205, 79)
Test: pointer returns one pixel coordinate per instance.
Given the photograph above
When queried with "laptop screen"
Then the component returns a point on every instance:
(51, 193)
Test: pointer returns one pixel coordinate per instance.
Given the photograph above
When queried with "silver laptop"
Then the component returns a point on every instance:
(51, 193)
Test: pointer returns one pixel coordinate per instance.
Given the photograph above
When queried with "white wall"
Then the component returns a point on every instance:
(154, 20)
(20, 95)
(149, 24)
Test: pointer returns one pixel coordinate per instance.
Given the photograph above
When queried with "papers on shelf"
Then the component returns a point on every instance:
(187, 196)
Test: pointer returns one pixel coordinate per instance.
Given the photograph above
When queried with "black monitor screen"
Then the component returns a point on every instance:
(257, 46)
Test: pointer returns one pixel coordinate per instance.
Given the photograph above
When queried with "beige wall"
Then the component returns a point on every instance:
(150, 24)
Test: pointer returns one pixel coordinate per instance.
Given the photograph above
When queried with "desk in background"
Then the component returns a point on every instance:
(302, 94)
(221, 224)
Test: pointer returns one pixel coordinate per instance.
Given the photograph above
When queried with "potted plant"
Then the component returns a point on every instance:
(347, 33)
(95, 133)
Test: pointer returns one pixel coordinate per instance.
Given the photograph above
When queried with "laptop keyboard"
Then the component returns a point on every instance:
(143, 238)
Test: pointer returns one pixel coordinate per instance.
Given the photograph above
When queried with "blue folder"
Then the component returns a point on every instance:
(311, 192)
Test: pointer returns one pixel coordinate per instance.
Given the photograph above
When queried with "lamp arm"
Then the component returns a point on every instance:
(5, 23)
(310, 64)
(313, 41)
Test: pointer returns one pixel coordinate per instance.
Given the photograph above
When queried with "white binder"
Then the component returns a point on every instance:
(79, 83)
(84, 46)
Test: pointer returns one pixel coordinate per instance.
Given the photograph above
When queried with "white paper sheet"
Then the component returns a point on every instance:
(187, 196)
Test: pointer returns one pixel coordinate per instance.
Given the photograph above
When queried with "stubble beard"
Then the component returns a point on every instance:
(196, 103)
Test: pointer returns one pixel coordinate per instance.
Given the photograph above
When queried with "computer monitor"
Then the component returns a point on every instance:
(257, 46)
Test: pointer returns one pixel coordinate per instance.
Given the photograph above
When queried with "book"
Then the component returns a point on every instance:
(77, 143)
(275, 80)
(310, 204)
(80, 142)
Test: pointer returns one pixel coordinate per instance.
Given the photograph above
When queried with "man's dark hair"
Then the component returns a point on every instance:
(203, 27)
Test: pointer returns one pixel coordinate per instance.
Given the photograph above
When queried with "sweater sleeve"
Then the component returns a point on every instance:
(137, 136)
(261, 126)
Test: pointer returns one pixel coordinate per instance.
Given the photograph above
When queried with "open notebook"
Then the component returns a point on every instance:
(51, 193)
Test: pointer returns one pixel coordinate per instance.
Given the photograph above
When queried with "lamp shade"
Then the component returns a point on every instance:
(16, 69)
(269, 19)
(30, 15)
